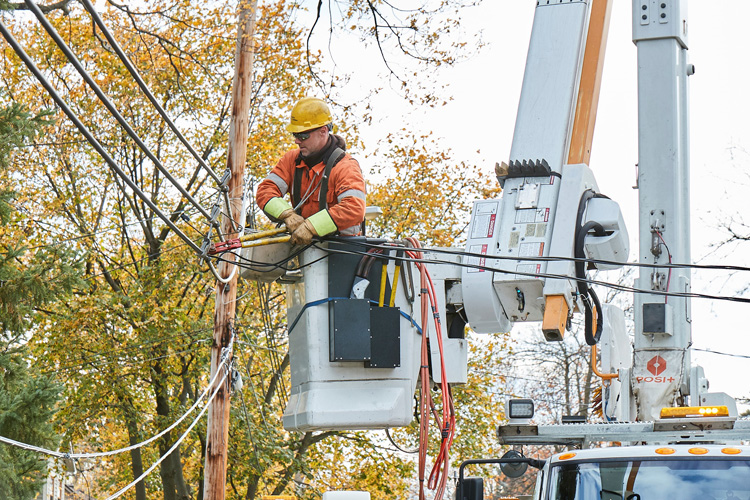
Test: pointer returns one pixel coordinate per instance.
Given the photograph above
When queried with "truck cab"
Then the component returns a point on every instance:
(689, 472)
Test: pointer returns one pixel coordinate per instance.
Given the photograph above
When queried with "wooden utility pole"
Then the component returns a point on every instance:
(217, 433)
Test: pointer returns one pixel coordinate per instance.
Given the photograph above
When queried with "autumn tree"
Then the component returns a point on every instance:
(131, 348)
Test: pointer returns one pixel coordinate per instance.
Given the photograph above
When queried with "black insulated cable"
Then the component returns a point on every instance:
(614, 286)
(594, 306)
(708, 267)
(146, 91)
(34, 8)
(89, 137)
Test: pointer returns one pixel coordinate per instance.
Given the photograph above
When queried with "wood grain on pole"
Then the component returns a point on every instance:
(217, 433)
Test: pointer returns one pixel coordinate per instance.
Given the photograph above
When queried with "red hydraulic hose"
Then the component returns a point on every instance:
(439, 474)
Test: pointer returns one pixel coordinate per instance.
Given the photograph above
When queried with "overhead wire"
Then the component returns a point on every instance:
(177, 442)
(715, 267)
(264, 294)
(71, 57)
(150, 440)
(615, 286)
(606, 284)
(710, 351)
(144, 88)
(90, 138)
(50, 368)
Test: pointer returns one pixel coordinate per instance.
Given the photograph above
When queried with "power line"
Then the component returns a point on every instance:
(123, 364)
(77, 456)
(744, 356)
(177, 443)
(50, 368)
(60, 242)
(89, 137)
(720, 267)
(71, 57)
(615, 286)
(144, 88)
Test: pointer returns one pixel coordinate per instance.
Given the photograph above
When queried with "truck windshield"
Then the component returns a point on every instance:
(689, 479)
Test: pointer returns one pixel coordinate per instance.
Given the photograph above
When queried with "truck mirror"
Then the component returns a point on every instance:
(514, 469)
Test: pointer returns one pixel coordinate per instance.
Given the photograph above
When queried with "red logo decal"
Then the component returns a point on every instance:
(656, 365)
(491, 230)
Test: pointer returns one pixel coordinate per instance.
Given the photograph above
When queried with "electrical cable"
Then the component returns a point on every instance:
(592, 308)
(712, 267)
(669, 255)
(71, 57)
(264, 294)
(78, 456)
(744, 356)
(176, 444)
(144, 88)
(60, 242)
(89, 137)
(399, 448)
(50, 368)
(606, 284)
(438, 477)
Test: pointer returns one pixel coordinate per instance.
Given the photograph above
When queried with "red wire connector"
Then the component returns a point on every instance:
(224, 246)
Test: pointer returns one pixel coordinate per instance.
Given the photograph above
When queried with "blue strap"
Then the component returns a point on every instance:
(329, 299)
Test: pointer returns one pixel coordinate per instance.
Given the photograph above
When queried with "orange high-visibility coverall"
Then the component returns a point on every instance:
(346, 189)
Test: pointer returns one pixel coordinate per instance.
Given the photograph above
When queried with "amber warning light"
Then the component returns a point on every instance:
(695, 411)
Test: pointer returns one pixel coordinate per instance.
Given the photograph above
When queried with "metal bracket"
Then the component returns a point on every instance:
(718, 430)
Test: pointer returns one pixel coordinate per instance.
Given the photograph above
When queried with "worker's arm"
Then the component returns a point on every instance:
(346, 195)
(271, 191)
(346, 202)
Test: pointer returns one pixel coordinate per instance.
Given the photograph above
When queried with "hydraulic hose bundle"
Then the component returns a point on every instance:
(592, 306)
(446, 421)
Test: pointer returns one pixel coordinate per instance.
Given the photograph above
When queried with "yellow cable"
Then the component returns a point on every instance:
(395, 284)
(383, 281)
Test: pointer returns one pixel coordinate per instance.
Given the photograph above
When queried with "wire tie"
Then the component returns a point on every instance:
(423, 290)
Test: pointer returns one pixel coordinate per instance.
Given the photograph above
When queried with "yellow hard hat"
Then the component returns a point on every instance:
(309, 113)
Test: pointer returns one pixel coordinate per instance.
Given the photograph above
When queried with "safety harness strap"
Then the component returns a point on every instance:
(335, 156)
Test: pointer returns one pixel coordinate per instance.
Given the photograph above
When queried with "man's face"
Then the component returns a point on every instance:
(314, 143)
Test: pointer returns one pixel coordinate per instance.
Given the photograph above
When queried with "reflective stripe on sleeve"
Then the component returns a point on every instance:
(276, 207)
(352, 192)
(323, 223)
(352, 231)
(280, 183)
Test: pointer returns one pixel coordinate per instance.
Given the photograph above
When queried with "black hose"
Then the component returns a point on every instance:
(591, 304)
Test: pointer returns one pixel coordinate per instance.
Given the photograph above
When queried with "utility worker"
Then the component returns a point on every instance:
(326, 185)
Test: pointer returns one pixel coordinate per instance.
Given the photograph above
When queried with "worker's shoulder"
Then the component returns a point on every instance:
(290, 157)
(346, 165)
